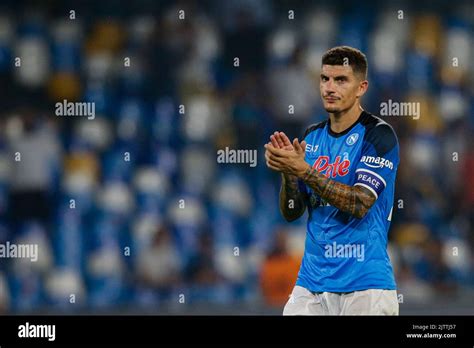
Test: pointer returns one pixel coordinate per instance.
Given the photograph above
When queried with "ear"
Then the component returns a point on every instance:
(363, 86)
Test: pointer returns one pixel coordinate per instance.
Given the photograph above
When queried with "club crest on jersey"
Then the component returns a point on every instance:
(337, 168)
(352, 139)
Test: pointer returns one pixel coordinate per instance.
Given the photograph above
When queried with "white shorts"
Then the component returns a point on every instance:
(365, 302)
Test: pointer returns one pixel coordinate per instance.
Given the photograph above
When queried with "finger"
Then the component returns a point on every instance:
(303, 145)
(276, 159)
(275, 163)
(279, 140)
(286, 140)
(300, 147)
(271, 149)
(277, 152)
(270, 156)
(267, 155)
(274, 141)
(296, 145)
(269, 165)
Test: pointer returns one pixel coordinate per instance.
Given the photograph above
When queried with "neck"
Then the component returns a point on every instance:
(340, 121)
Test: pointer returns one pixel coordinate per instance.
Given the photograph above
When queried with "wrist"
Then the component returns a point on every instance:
(289, 176)
(304, 172)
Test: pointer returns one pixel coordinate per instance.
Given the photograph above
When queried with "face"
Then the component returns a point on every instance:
(340, 88)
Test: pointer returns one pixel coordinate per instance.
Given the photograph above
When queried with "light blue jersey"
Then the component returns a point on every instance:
(344, 253)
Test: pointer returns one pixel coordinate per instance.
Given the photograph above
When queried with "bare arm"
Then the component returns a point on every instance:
(292, 204)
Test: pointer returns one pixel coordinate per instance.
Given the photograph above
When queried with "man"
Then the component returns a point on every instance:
(344, 172)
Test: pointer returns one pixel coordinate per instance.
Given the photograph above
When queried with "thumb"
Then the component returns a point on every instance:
(303, 146)
(297, 145)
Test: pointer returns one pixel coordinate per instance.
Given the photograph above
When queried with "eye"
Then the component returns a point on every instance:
(340, 80)
(324, 78)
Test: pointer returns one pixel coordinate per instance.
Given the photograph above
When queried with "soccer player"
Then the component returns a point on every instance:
(344, 172)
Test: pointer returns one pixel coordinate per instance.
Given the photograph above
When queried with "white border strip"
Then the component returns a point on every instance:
(373, 173)
(368, 187)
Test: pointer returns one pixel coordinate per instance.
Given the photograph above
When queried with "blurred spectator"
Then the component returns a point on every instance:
(293, 94)
(36, 155)
(159, 265)
(201, 269)
(248, 33)
(433, 268)
(279, 272)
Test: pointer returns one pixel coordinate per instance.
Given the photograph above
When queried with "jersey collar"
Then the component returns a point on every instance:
(347, 130)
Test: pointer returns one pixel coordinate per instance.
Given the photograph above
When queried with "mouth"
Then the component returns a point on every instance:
(331, 100)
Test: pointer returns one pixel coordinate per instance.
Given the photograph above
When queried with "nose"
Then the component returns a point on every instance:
(329, 87)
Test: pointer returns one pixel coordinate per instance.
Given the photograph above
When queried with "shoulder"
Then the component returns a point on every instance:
(379, 133)
(313, 127)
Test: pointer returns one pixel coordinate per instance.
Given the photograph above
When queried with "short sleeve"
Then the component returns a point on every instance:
(379, 159)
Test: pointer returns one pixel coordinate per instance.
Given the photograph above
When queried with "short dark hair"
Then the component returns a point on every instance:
(343, 55)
